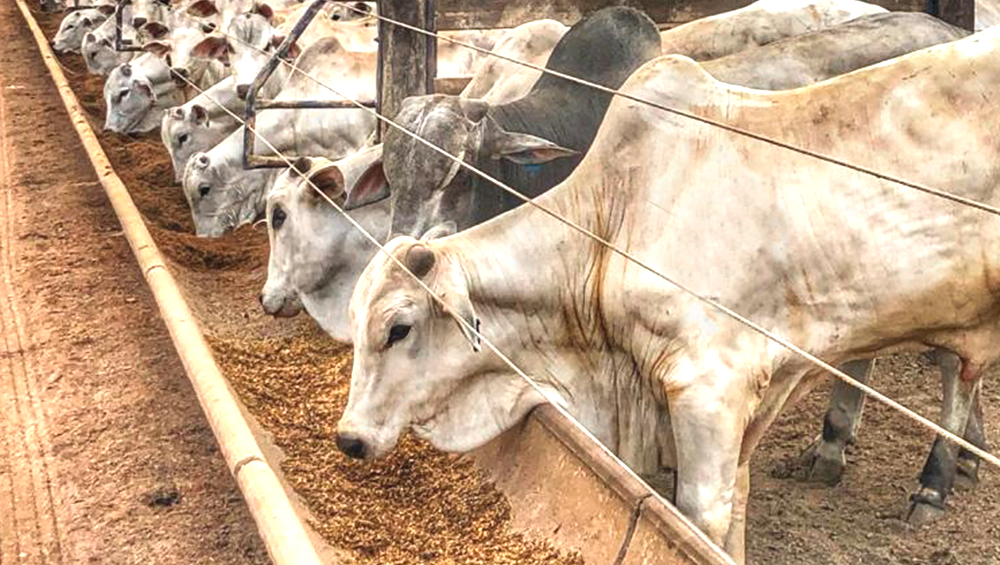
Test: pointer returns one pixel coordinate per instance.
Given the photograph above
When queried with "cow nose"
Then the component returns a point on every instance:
(351, 446)
(241, 91)
(138, 22)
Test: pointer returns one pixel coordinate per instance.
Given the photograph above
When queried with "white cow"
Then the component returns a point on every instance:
(98, 47)
(223, 196)
(497, 80)
(317, 255)
(200, 124)
(75, 26)
(838, 262)
(137, 93)
(177, 47)
(311, 268)
(247, 45)
(759, 23)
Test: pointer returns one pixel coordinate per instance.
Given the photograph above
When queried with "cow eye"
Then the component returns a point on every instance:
(203, 190)
(182, 139)
(278, 217)
(397, 332)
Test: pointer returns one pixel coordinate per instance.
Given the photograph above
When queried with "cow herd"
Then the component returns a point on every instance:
(578, 288)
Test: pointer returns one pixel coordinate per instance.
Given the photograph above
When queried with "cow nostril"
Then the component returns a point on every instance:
(351, 446)
(138, 22)
(241, 91)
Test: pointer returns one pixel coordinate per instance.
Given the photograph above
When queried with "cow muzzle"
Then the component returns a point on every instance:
(352, 445)
(280, 307)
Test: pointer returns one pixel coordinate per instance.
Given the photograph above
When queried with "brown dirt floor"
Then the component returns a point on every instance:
(105, 456)
(422, 507)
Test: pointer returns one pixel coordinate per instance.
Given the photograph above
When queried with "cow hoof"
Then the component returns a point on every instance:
(922, 514)
(926, 507)
(824, 462)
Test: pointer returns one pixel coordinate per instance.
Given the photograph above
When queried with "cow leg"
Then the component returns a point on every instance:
(825, 457)
(736, 537)
(938, 475)
(708, 427)
(968, 463)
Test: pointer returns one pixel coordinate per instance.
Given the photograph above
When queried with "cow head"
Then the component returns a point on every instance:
(316, 254)
(74, 27)
(98, 50)
(185, 131)
(429, 188)
(245, 55)
(128, 98)
(222, 195)
(177, 52)
(416, 366)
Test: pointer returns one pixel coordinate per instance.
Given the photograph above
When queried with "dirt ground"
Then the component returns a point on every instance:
(419, 506)
(105, 457)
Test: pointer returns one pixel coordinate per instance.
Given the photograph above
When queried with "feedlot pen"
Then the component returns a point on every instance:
(420, 506)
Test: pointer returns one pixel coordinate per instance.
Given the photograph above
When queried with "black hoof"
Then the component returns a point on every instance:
(824, 463)
(926, 506)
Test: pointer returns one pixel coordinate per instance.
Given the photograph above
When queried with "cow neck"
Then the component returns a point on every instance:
(531, 280)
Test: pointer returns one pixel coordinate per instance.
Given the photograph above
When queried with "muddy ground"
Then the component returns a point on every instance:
(419, 506)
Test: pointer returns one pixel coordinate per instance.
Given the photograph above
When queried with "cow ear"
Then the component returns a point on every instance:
(158, 48)
(443, 229)
(213, 47)
(155, 29)
(145, 89)
(293, 49)
(264, 9)
(450, 284)
(371, 187)
(330, 181)
(203, 9)
(523, 149)
(199, 115)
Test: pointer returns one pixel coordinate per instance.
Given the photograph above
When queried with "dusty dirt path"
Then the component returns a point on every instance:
(104, 454)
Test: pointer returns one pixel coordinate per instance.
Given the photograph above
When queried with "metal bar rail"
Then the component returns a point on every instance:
(255, 105)
(122, 43)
